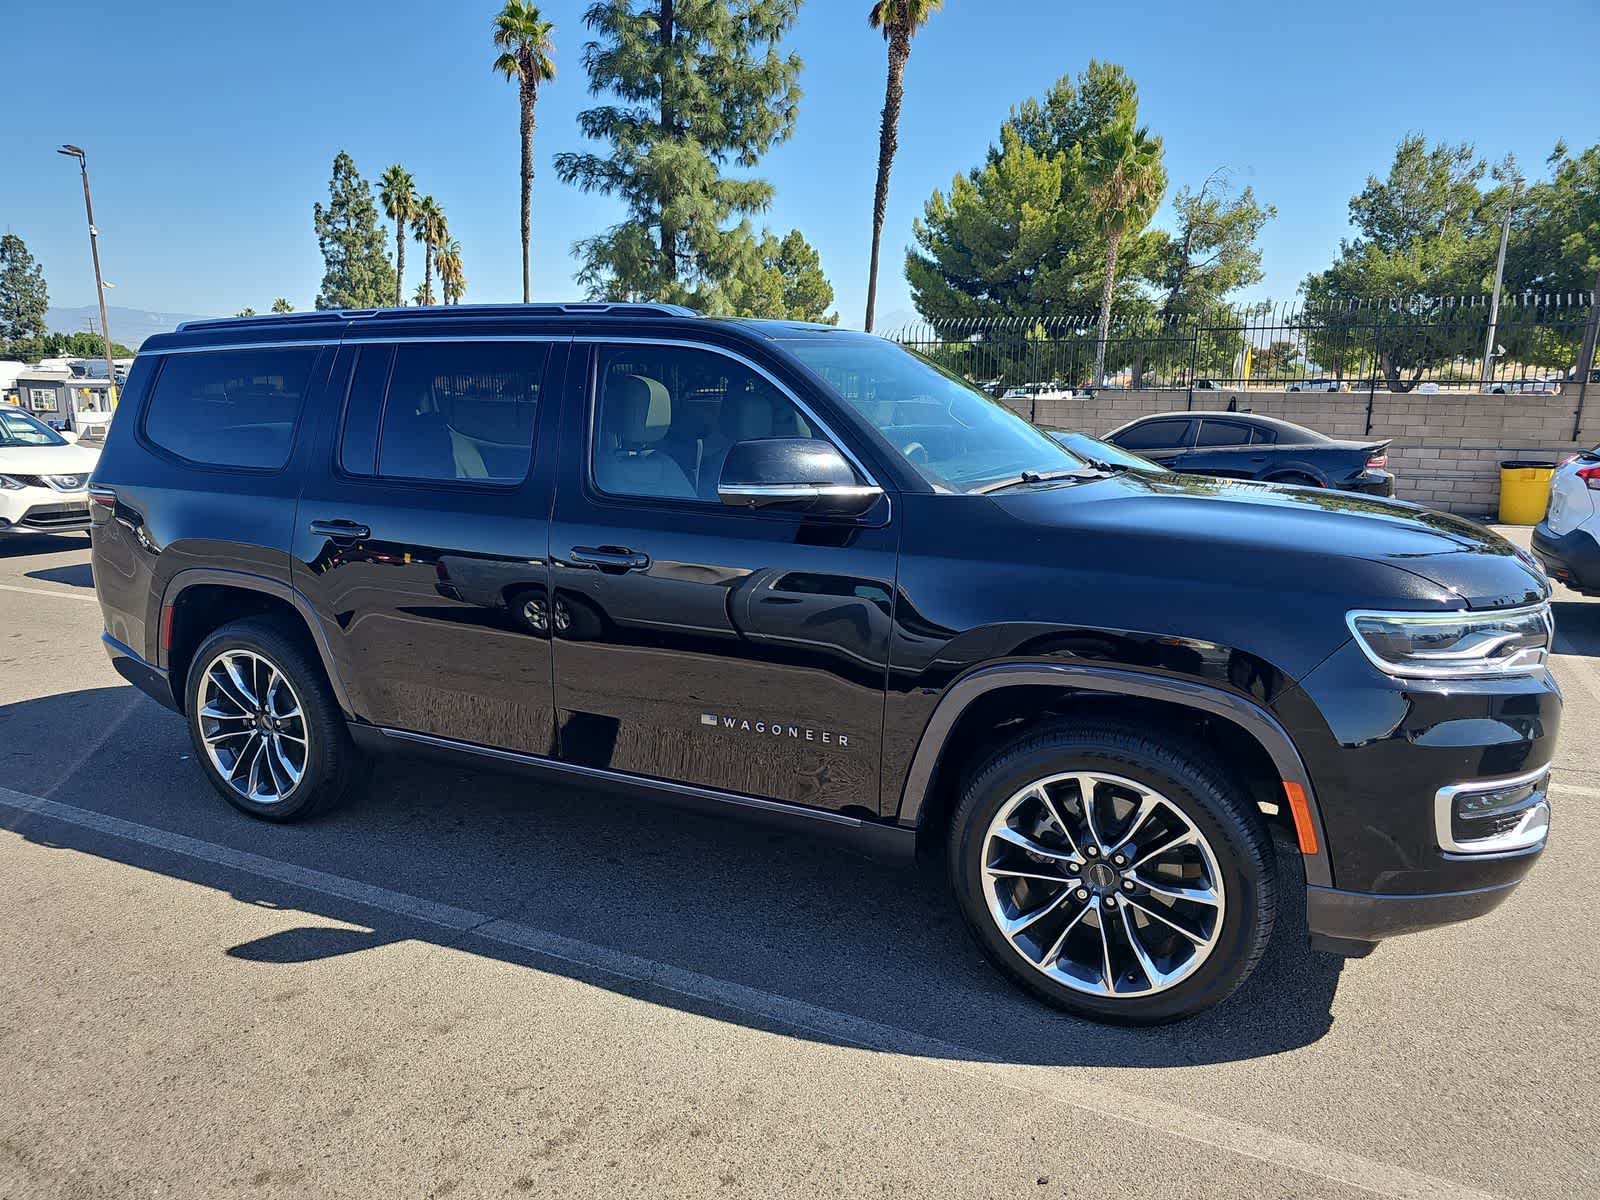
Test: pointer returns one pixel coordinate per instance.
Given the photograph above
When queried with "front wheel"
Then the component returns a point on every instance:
(1119, 876)
(265, 725)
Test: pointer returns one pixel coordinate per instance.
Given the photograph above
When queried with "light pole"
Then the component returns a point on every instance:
(99, 284)
(1499, 277)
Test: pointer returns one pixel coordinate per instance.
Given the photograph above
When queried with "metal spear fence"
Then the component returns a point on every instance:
(1412, 345)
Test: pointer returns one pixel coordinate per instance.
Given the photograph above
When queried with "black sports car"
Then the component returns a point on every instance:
(1246, 446)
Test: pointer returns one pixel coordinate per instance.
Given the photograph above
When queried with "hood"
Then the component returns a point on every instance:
(1268, 528)
(47, 460)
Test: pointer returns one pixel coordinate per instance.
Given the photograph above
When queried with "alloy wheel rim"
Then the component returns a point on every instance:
(1103, 884)
(253, 726)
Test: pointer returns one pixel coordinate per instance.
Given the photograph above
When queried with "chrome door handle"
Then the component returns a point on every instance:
(340, 530)
(612, 558)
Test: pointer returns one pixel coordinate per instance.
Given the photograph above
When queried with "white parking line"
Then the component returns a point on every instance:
(1237, 1137)
(64, 595)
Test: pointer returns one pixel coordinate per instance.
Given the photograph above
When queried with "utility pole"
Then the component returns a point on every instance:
(99, 283)
(1499, 277)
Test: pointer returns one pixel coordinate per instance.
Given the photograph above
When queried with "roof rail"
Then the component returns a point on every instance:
(604, 308)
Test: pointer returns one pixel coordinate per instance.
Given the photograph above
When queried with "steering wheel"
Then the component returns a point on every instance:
(912, 449)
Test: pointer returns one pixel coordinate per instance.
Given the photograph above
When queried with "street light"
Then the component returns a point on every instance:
(100, 284)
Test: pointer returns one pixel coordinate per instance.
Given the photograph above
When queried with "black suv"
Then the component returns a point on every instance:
(803, 575)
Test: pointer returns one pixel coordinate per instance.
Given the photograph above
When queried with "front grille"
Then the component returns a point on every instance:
(28, 480)
(56, 516)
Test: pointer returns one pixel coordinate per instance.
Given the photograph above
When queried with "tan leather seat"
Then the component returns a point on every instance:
(636, 415)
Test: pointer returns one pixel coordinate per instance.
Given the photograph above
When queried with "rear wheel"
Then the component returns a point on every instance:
(265, 725)
(1118, 876)
(1294, 477)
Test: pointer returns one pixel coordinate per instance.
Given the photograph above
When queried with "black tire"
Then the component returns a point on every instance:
(1187, 776)
(1294, 477)
(333, 767)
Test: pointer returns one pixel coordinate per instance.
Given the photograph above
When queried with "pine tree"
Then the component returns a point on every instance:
(355, 248)
(23, 296)
(699, 85)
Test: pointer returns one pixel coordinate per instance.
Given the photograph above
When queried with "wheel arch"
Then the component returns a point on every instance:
(1013, 687)
(202, 599)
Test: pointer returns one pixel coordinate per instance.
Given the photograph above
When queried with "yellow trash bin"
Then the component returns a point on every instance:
(1524, 491)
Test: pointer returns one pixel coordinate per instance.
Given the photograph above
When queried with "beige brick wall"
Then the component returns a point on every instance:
(1446, 448)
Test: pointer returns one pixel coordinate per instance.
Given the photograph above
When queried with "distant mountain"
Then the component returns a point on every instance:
(130, 326)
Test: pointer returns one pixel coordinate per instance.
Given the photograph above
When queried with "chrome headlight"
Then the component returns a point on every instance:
(8, 484)
(1456, 645)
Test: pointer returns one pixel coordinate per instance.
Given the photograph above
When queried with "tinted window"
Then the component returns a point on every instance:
(458, 411)
(1223, 433)
(1263, 435)
(363, 408)
(666, 417)
(234, 408)
(950, 433)
(1153, 435)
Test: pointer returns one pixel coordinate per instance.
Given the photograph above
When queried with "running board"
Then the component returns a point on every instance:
(880, 840)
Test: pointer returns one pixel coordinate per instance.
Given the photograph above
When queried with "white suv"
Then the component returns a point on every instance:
(1567, 541)
(44, 477)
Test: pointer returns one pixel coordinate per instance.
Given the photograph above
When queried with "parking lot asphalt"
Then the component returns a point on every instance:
(466, 984)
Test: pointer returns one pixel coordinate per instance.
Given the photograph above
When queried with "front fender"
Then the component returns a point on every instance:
(1251, 717)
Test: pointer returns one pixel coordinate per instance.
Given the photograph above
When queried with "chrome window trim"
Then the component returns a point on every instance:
(1433, 618)
(392, 339)
(585, 339)
(1531, 831)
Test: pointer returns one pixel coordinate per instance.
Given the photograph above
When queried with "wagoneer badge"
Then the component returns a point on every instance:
(800, 733)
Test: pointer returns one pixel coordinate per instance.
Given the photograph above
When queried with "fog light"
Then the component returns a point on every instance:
(1493, 816)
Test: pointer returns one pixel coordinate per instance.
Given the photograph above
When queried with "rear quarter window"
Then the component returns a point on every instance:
(230, 408)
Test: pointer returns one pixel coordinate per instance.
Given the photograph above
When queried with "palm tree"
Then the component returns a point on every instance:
(282, 305)
(451, 280)
(432, 231)
(1126, 182)
(399, 197)
(524, 39)
(899, 20)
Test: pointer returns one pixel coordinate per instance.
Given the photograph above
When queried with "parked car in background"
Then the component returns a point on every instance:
(1246, 446)
(1103, 454)
(1567, 541)
(1525, 387)
(44, 477)
(1318, 385)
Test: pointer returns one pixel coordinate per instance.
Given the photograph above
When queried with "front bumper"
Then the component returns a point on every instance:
(42, 510)
(1387, 757)
(1352, 923)
(1573, 558)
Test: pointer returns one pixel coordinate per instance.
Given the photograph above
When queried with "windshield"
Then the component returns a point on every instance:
(955, 437)
(17, 428)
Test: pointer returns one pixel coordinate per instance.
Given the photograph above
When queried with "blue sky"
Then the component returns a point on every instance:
(212, 130)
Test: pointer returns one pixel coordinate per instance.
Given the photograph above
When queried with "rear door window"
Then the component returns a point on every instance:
(1154, 435)
(455, 411)
(1223, 433)
(231, 408)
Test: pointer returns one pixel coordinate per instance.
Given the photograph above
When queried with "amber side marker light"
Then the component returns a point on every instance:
(1303, 827)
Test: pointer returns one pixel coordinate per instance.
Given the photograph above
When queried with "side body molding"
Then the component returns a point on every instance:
(196, 576)
(1249, 716)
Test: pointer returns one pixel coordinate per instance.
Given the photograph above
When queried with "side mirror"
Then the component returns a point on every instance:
(807, 473)
(69, 435)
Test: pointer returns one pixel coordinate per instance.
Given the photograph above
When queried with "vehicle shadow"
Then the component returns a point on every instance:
(792, 919)
(21, 545)
(76, 575)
